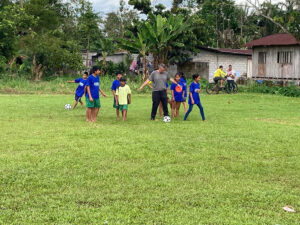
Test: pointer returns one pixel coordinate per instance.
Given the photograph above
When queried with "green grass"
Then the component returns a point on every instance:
(240, 167)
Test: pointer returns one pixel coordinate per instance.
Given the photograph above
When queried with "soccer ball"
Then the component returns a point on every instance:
(167, 119)
(68, 107)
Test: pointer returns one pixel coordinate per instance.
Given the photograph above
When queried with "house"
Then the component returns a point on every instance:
(115, 58)
(276, 57)
(85, 60)
(207, 61)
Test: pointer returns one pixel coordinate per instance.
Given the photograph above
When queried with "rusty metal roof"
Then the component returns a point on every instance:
(274, 40)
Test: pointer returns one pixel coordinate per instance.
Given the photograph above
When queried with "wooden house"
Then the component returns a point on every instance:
(276, 57)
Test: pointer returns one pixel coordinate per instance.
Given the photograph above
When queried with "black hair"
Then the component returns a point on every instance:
(195, 76)
(86, 73)
(94, 69)
(220, 67)
(230, 65)
(118, 72)
(182, 75)
(123, 79)
(177, 74)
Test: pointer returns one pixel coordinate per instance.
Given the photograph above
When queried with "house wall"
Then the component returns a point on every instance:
(272, 68)
(214, 60)
(114, 58)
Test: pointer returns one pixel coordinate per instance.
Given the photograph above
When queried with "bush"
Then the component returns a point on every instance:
(269, 88)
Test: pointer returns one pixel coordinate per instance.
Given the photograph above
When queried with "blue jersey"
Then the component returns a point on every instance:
(115, 85)
(94, 84)
(185, 86)
(178, 91)
(80, 90)
(193, 89)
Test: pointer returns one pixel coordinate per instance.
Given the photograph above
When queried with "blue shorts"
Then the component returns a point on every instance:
(77, 98)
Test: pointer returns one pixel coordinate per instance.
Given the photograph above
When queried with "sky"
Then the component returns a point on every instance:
(105, 6)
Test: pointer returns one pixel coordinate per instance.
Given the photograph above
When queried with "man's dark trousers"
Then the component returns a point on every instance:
(157, 97)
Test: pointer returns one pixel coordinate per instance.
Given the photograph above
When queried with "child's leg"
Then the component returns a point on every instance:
(177, 108)
(75, 104)
(160, 109)
(81, 103)
(185, 107)
(173, 106)
(88, 114)
(201, 111)
(95, 112)
(118, 113)
(124, 112)
(188, 112)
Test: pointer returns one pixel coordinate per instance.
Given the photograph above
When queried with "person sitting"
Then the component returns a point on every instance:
(219, 75)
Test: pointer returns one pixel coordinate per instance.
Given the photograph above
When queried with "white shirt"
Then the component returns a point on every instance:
(232, 72)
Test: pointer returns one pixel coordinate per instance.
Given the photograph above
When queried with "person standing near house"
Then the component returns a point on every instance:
(230, 78)
(159, 78)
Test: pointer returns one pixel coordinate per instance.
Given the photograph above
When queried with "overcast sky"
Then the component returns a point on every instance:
(105, 6)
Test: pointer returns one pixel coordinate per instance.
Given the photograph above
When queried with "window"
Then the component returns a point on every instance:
(262, 58)
(284, 57)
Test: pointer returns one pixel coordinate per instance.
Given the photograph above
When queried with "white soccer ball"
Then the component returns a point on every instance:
(68, 107)
(167, 119)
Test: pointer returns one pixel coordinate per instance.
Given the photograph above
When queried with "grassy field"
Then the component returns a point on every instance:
(239, 167)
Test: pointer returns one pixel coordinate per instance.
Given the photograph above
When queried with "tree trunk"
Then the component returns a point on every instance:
(87, 53)
(145, 70)
(37, 70)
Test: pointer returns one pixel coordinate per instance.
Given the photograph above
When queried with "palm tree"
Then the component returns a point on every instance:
(107, 47)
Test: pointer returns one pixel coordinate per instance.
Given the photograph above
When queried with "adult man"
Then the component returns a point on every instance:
(219, 75)
(159, 78)
(230, 78)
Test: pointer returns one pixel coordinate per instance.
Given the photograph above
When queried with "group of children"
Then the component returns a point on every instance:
(89, 86)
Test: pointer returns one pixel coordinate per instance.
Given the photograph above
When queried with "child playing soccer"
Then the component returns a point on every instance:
(177, 95)
(123, 94)
(92, 96)
(183, 80)
(194, 98)
(115, 85)
(80, 89)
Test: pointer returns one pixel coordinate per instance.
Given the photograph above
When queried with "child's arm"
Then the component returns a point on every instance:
(173, 98)
(104, 95)
(183, 93)
(192, 99)
(129, 98)
(149, 85)
(89, 92)
(84, 91)
(70, 81)
(117, 100)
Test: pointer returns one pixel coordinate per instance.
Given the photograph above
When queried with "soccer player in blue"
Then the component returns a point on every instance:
(92, 95)
(115, 85)
(183, 80)
(80, 89)
(178, 92)
(194, 98)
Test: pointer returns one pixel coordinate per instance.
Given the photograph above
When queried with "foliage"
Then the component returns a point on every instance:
(265, 88)
(111, 68)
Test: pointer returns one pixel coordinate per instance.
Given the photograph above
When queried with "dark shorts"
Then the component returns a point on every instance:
(216, 79)
(77, 98)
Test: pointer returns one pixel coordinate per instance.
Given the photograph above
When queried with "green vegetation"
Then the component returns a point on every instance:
(239, 167)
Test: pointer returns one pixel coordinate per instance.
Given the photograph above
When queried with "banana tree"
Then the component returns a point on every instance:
(162, 34)
(137, 44)
(107, 47)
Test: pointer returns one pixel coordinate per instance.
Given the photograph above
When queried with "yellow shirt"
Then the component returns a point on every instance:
(220, 73)
(122, 93)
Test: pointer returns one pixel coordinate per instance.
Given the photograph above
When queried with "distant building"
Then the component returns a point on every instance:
(207, 61)
(115, 58)
(89, 59)
(276, 57)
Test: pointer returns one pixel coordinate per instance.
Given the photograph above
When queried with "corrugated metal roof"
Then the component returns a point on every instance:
(274, 40)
